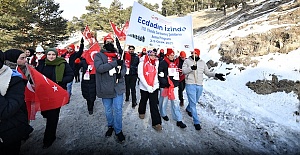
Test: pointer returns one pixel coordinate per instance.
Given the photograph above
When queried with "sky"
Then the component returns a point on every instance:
(77, 7)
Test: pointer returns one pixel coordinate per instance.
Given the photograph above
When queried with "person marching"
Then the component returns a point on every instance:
(149, 86)
(180, 60)
(110, 86)
(169, 81)
(58, 70)
(131, 62)
(194, 68)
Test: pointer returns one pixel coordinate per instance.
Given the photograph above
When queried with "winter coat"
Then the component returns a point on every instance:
(190, 74)
(88, 87)
(134, 64)
(163, 81)
(13, 113)
(106, 86)
(143, 84)
(49, 72)
(74, 56)
(180, 63)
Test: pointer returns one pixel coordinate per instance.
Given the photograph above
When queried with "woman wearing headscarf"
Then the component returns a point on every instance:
(13, 114)
(58, 70)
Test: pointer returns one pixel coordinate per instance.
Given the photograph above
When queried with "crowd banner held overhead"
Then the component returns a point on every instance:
(148, 28)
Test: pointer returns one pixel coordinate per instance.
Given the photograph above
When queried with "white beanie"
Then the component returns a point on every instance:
(39, 48)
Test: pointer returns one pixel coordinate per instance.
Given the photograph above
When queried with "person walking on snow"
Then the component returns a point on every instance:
(169, 81)
(110, 86)
(180, 60)
(194, 68)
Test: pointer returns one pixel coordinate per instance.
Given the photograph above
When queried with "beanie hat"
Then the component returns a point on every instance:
(72, 46)
(39, 48)
(182, 54)
(154, 50)
(51, 49)
(197, 51)
(12, 55)
(161, 51)
(169, 51)
(144, 49)
(107, 37)
(1, 59)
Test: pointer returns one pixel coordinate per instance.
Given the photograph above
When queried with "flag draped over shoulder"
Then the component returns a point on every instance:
(169, 91)
(47, 94)
(89, 55)
(149, 71)
(88, 36)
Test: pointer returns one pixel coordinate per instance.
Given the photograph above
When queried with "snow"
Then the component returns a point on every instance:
(235, 120)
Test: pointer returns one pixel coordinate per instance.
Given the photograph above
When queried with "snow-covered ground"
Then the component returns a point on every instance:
(235, 120)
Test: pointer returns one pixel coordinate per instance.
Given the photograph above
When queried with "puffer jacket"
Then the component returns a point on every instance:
(195, 77)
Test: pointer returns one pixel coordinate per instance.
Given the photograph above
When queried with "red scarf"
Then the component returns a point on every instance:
(171, 64)
(110, 56)
(21, 72)
(127, 59)
(149, 70)
(69, 54)
(169, 91)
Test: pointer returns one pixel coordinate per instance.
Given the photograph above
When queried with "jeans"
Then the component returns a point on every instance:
(113, 112)
(69, 88)
(175, 110)
(193, 92)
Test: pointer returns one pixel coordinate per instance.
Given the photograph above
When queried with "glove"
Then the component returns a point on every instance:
(220, 76)
(194, 67)
(81, 41)
(120, 62)
(118, 75)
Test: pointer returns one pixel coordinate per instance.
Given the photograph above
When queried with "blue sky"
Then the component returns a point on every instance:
(77, 7)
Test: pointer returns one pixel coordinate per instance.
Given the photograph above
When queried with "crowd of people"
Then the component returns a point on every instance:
(161, 78)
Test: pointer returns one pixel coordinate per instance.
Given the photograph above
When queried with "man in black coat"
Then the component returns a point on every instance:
(131, 62)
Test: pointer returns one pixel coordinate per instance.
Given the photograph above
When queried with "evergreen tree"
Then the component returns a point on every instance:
(167, 8)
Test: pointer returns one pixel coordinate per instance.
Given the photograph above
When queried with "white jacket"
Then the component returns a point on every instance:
(143, 84)
(195, 77)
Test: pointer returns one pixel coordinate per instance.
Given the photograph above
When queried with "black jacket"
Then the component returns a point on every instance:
(49, 72)
(74, 56)
(163, 81)
(88, 87)
(13, 113)
(134, 64)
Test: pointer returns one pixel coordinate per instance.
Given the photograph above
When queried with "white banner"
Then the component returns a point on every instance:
(150, 29)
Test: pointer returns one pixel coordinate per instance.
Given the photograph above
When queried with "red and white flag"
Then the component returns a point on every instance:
(116, 30)
(47, 94)
(149, 71)
(123, 32)
(88, 36)
(89, 56)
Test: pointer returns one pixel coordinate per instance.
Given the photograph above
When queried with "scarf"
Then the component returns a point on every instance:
(5, 76)
(59, 64)
(172, 64)
(169, 92)
(110, 56)
(68, 55)
(127, 59)
(22, 71)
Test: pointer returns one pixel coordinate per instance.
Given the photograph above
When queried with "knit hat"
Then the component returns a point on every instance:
(182, 54)
(107, 37)
(1, 59)
(51, 49)
(169, 51)
(162, 51)
(197, 51)
(144, 49)
(39, 48)
(12, 55)
(72, 46)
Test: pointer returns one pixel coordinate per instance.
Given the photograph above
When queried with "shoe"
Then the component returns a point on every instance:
(133, 105)
(181, 103)
(141, 116)
(166, 118)
(197, 126)
(91, 112)
(189, 113)
(48, 143)
(126, 100)
(121, 137)
(181, 124)
(109, 131)
(157, 127)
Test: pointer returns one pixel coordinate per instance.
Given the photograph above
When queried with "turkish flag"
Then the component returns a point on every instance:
(89, 55)
(169, 91)
(47, 94)
(116, 30)
(149, 71)
(124, 31)
(88, 35)
(127, 59)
